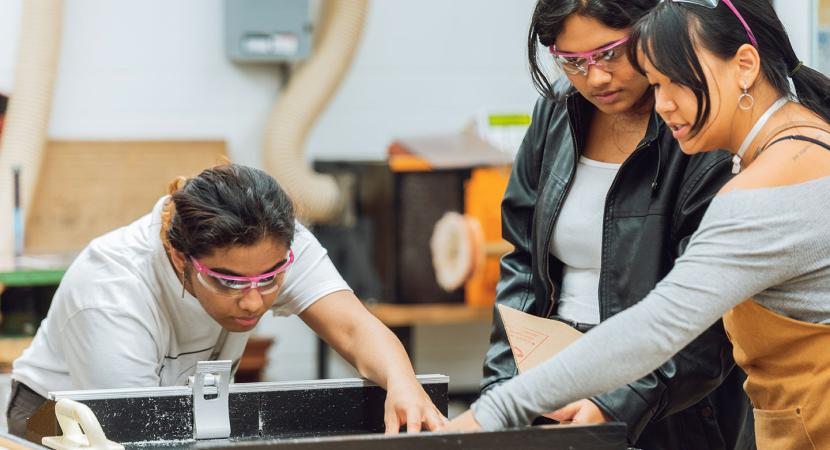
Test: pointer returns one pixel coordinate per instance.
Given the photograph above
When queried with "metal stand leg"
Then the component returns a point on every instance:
(322, 359)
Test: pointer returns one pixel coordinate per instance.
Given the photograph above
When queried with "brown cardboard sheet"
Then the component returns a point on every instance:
(534, 339)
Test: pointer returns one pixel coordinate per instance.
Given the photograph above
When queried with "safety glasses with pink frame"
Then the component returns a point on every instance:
(607, 58)
(237, 286)
(712, 4)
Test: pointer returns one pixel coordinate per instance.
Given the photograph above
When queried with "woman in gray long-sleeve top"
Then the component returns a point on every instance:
(761, 256)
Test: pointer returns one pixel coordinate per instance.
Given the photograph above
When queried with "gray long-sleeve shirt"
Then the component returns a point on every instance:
(768, 244)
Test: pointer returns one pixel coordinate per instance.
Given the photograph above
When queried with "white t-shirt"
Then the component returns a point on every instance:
(577, 240)
(118, 318)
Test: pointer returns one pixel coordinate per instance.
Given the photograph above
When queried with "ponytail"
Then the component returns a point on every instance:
(812, 89)
(169, 210)
(176, 185)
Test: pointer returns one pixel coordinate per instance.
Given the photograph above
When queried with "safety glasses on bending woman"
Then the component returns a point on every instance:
(237, 286)
(711, 4)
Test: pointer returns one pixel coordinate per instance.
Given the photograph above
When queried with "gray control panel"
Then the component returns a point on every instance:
(267, 30)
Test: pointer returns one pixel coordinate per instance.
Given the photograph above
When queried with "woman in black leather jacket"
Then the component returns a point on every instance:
(600, 203)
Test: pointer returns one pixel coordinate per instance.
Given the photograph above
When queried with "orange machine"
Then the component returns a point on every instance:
(466, 245)
(482, 194)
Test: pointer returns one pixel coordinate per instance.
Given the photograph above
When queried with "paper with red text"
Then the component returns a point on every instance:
(534, 339)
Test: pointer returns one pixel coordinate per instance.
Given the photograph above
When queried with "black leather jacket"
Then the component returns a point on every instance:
(652, 208)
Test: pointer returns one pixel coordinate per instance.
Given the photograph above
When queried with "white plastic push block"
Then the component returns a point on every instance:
(75, 419)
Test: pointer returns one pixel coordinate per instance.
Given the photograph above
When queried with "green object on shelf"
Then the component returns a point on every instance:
(31, 277)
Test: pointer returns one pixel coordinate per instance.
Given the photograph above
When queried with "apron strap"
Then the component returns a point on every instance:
(768, 142)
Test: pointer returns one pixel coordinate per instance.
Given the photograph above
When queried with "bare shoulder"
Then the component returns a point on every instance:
(788, 162)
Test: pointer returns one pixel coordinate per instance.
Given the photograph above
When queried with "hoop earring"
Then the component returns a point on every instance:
(746, 101)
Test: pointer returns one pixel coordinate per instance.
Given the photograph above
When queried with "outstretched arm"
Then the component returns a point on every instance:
(360, 338)
(741, 249)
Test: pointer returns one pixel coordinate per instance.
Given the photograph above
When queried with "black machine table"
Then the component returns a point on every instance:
(321, 414)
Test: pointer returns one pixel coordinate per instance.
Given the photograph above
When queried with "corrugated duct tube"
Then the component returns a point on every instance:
(317, 196)
(30, 105)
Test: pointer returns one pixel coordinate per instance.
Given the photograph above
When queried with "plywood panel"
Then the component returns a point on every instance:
(88, 188)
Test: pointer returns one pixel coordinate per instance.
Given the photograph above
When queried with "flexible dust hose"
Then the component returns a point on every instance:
(317, 196)
(30, 105)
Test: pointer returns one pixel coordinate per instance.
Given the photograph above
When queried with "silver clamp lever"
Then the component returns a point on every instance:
(211, 419)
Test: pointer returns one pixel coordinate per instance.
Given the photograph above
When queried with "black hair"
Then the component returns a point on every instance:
(229, 205)
(672, 52)
(549, 17)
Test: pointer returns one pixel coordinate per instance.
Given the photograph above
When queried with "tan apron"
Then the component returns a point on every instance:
(787, 363)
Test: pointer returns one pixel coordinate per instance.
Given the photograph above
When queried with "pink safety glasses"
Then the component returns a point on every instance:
(606, 58)
(238, 286)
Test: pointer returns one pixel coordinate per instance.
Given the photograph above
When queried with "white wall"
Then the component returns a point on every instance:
(9, 28)
(424, 67)
(156, 70)
(798, 17)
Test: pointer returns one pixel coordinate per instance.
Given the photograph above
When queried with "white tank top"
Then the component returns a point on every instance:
(577, 240)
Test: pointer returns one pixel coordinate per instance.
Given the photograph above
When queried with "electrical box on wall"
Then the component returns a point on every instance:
(267, 30)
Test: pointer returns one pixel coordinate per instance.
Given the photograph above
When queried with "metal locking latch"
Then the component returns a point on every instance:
(211, 419)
